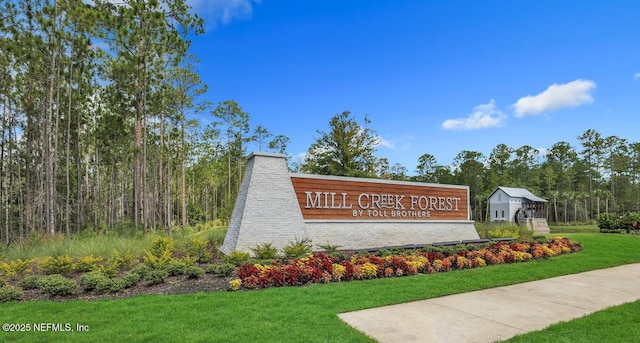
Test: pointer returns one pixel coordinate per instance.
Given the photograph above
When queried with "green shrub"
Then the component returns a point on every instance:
(330, 249)
(156, 276)
(338, 256)
(56, 284)
(540, 239)
(8, 293)
(448, 251)
(198, 248)
(224, 269)
(108, 285)
(264, 251)
(194, 272)
(432, 249)
(56, 265)
(29, 282)
(460, 247)
(629, 221)
(176, 267)
(607, 221)
(131, 279)
(2, 283)
(384, 253)
(237, 257)
(616, 223)
(90, 281)
(141, 270)
(298, 248)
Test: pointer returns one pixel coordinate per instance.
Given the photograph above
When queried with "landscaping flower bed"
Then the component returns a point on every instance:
(323, 268)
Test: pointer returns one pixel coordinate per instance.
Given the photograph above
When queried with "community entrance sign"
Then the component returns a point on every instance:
(276, 207)
(331, 198)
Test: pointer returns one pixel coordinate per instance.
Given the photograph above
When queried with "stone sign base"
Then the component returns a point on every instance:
(538, 225)
(267, 211)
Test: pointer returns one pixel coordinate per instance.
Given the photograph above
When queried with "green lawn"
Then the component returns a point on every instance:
(295, 314)
(616, 324)
(557, 229)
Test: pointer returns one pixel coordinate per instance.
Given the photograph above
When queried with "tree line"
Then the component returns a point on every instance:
(600, 175)
(94, 104)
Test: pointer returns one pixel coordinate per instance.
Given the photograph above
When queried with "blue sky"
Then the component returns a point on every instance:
(435, 77)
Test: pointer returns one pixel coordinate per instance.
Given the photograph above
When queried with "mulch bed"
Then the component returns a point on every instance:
(173, 285)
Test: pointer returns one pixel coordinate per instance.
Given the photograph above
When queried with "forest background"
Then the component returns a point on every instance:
(94, 101)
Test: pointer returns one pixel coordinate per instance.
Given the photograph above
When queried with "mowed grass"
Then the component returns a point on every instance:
(557, 229)
(615, 324)
(292, 314)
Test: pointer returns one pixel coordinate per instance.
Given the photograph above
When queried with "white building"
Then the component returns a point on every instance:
(507, 204)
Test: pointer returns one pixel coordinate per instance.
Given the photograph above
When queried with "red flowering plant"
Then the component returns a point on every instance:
(349, 271)
(321, 268)
(432, 256)
(246, 270)
(320, 261)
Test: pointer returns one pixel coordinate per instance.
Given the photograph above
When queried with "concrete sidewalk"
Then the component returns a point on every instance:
(500, 313)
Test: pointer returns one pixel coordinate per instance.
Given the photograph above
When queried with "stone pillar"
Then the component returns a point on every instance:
(266, 209)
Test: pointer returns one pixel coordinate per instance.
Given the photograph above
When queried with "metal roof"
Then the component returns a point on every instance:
(520, 193)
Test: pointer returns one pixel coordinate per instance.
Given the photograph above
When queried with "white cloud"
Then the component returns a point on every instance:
(223, 11)
(572, 94)
(636, 76)
(483, 116)
(385, 143)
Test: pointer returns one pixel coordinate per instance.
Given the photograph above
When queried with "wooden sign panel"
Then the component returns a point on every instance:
(336, 198)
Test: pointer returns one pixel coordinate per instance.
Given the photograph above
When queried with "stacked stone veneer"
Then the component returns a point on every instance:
(267, 211)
